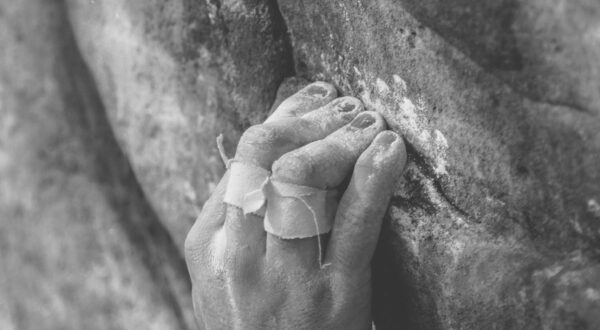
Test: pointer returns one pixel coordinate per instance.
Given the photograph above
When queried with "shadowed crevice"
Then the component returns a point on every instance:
(251, 54)
(403, 296)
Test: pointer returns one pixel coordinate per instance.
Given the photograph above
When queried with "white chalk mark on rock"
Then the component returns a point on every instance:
(404, 117)
(382, 87)
(592, 294)
(593, 207)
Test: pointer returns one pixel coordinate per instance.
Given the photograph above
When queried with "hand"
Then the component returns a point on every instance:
(246, 278)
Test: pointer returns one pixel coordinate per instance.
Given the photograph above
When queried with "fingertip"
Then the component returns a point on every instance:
(319, 90)
(336, 113)
(288, 87)
(390, 149)
(349, 104)
(386, 138)
(369, 120)
(307, 99)
(383, 159)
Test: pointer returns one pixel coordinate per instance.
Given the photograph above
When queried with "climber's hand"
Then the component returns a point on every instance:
(244, 277)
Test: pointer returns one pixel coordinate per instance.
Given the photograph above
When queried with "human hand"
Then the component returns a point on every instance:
(247, 278)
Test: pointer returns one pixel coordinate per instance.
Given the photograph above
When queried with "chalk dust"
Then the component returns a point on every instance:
(403, 116)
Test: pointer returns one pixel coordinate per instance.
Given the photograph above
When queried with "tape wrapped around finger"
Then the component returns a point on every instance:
(290, 211)
(295, 211)
(245, 187)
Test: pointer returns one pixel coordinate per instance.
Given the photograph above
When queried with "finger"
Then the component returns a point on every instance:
(323, 164)
(361, 210)
(307, 99)
(288, 87)
(262, 145)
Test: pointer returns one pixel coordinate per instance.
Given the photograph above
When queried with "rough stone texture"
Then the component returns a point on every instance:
(79, 245)
(496, 222)
(174, 75)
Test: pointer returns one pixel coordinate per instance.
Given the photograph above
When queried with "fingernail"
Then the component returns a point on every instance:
(316, 90)
(363, 120)
(386, 138)
(347, 104)
(346, 107)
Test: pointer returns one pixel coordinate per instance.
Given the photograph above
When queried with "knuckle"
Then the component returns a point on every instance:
(296, 166)
(195, 246)
(271, 139)
(193, 254)
(260, 135)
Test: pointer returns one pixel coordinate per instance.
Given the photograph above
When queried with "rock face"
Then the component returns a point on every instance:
(496, 222)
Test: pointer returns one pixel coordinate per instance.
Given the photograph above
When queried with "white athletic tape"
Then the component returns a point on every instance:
(295, 211)
(291, 211)
(245, 187)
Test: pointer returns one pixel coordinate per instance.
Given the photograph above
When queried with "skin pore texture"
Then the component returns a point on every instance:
(246, 278)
